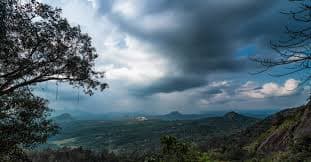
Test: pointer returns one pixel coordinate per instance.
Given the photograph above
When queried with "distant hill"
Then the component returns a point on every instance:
(66, 117)
(233, 115)
(176, 115)
(130, 135)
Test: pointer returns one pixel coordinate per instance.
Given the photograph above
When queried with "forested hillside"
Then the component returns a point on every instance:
(285, 135)
(126, 136)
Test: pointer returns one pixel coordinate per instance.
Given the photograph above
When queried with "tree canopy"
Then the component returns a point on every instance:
(23, 122)
(37, 45)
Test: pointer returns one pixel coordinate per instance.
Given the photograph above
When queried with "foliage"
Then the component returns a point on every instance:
(175, 151)
(302, 148)
(23, 123)
(172, 150)
(37, 45)
(73, 155)
(128, 135)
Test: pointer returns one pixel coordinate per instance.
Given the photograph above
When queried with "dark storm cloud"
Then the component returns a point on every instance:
(170, 84)
(213, 91)
(209, 35)
(268, 26)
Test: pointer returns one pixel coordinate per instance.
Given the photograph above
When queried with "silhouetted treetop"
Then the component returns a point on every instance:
(38, 45)
(294, 51)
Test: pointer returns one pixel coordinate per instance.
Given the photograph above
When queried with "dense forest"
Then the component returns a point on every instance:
(128, 135)
(284, 136)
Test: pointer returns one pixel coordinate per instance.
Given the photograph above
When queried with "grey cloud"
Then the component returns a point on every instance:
(209, 35)
(206, 40)
(212, 91)
(203, 47)
(170, 84)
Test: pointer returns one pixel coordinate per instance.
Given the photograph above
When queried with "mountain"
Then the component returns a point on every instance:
(286, 134)
(65, 117)
(176, 115)
(230, 121)
(133, 135)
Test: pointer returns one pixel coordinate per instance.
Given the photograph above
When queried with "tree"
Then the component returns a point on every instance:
(23, 122)
(294, 52)
(173, 150)
(37, 45)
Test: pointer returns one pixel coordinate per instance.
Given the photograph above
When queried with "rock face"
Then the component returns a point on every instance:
(277, 141)
(304, 127)
(286, 128)
(284, 136)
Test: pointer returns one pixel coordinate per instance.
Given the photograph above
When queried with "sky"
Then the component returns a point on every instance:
(179, 55)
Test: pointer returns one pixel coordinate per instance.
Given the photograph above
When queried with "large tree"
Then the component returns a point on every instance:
(37, 45)
(294, 50)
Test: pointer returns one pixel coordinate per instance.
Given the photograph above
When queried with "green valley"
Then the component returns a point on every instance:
(142, 135)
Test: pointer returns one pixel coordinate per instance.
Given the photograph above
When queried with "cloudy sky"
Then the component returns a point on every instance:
(166, 55)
